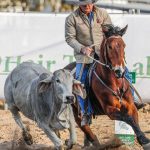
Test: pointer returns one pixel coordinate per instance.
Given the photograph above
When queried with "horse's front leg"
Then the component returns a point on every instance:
(130, 117)
(86, 129)
(142, 139)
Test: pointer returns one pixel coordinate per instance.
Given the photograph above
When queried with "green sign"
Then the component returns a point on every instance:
(133, 76)
(126, 138)
(124, 132)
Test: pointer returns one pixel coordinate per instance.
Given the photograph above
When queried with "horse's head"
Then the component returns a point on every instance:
(113, 50)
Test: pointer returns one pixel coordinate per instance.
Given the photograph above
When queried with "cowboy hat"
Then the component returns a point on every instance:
(85, 2)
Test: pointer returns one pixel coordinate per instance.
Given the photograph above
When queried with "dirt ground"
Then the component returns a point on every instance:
(103, 127)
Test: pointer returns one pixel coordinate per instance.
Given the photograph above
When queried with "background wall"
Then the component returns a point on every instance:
(40, 38)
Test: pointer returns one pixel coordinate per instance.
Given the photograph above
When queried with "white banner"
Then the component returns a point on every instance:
(40, 38)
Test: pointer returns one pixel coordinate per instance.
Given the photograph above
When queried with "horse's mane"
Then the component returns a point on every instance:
(111, 30)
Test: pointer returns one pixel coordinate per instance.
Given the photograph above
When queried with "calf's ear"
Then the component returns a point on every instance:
(79, 89)
(45, 82)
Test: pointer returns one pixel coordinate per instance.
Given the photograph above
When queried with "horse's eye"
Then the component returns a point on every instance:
(110, 47)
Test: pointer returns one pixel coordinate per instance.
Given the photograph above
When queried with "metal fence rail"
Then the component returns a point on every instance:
(138, 7)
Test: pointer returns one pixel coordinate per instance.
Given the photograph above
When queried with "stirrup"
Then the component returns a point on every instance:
(86, 120)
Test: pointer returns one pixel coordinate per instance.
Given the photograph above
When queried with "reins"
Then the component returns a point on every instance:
(103, 64)
(98, 62)
(106, 61)
(107, 66)
(138, 95)
(110, 89)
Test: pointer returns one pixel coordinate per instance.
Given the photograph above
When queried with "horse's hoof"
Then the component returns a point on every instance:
(146, 146)
(27, 138)
(96, 142)
(29, 142)
(87, 143)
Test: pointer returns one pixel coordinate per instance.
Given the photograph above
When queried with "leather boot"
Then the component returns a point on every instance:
(139, 105)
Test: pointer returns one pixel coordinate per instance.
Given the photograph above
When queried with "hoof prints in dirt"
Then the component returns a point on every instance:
(11, 136)
(113, 144)
(22, 146)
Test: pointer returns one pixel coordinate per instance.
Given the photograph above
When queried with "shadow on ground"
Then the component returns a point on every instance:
(113, 144)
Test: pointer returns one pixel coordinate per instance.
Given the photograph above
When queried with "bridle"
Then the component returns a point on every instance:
(115, 93)
(106, 49)
(109, 66)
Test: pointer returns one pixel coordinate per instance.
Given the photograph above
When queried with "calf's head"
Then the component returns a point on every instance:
(62, 85)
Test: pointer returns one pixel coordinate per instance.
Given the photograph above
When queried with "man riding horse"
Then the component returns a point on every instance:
(84, 33)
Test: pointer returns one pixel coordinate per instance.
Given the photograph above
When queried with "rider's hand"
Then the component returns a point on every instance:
(87, 51)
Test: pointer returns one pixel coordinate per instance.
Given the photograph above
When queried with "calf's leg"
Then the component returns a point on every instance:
(26, 135)
(73, 137)
(52, 136)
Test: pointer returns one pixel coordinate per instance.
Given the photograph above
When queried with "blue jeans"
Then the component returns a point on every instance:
(85, 105)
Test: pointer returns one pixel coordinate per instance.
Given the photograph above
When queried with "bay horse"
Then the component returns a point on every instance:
(110, 92)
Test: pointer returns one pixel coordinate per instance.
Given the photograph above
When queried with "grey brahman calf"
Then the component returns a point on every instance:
(43, 97)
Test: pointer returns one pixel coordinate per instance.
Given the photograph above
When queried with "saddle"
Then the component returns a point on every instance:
(96, 107)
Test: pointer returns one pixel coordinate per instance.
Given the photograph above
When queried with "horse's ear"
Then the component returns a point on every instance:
(123, 31)
(107, 30)
(107, 27)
